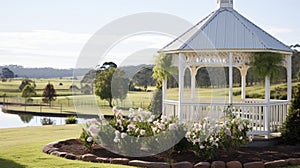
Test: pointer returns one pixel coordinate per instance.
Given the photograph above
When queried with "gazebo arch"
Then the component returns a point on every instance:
(226, 39)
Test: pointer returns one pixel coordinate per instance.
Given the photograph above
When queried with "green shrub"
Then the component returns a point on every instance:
(47, 121)
(291, 127)
(71, 120)
(87, 140)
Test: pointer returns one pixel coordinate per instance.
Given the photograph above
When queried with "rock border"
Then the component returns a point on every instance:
(53, 149)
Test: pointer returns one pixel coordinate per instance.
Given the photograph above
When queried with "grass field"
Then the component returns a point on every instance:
(64, 102)
(22, 148)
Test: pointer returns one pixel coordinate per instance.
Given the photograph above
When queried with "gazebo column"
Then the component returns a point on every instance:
(267, 112)
(193, 81)
(289, 77)
(180, 84)
(230, 77)
(243, 71)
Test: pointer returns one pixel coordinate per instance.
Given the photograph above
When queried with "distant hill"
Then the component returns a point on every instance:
(21, 71)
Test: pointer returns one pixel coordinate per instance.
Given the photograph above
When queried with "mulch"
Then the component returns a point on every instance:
(261, 150)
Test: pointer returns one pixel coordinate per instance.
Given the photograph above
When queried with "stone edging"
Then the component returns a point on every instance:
(52, 150)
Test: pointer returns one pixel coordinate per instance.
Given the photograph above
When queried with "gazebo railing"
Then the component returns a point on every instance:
(253, 110)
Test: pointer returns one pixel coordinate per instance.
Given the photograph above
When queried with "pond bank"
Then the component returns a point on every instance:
(49, 114)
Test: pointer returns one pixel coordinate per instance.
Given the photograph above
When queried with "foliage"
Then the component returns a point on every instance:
(89, 77)
(129, 133)
(47, 121)
(156, 102)
(49, 94)
(106, 79)
(266, 64)
(207, 136)
(291, 127)
(24, 83)
(163, 69)
(71, 120)
(143, 77)
(87, 140)
(28, 91)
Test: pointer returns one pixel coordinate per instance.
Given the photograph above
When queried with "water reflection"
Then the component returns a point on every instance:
(14, 120)
(25, 118)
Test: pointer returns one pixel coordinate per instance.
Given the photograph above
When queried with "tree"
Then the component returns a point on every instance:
(26, 82)
(266, 64)
(143, 77)
(7, 73)
(156, 102)
(49, 94)
(28, 92)
(110, 84)
(163, 69)
(291, 127)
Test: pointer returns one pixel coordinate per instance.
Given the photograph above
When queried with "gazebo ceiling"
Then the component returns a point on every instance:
(227, 30)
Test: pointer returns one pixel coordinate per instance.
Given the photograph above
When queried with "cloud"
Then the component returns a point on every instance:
(40, 48)
(47, 45)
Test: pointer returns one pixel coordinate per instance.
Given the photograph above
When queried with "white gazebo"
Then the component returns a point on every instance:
(226, 39)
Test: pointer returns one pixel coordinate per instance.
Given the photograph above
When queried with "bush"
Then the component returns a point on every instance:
(47, 121)
(87, 140)
(71, 120)
(126, 134)
(156, 102)
(291, 127)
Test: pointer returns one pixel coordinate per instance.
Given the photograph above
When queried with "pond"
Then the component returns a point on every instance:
(21, 120)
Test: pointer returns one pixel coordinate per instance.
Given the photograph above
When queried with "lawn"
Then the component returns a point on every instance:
(22, 147)
(64, 101)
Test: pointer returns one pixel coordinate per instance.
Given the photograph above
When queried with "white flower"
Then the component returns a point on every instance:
(250, 138)
(140, 110)
(142, 132)
(241, 127)
(196, 140)
(187, 135)
(116, 140)
(228, 132)
(164, 119)
(241, 138)
(172, 127)
(94, 130)
(89, 139)
(162, 126)
(101, 116)
(154, 129)
(202, 147)
(137, 130)
(131, 127)
(117, 133)
(114, 110)
(123, 135)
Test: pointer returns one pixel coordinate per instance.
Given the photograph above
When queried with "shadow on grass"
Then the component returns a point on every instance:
(10, 164)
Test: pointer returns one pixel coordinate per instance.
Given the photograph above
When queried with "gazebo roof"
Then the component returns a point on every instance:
(226, 29)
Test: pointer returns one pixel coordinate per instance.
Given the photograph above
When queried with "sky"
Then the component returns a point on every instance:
(52, 33)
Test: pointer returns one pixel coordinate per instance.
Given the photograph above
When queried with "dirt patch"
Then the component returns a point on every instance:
(257, 151)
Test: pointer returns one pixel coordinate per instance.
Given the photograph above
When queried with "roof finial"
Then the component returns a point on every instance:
(225, 3)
